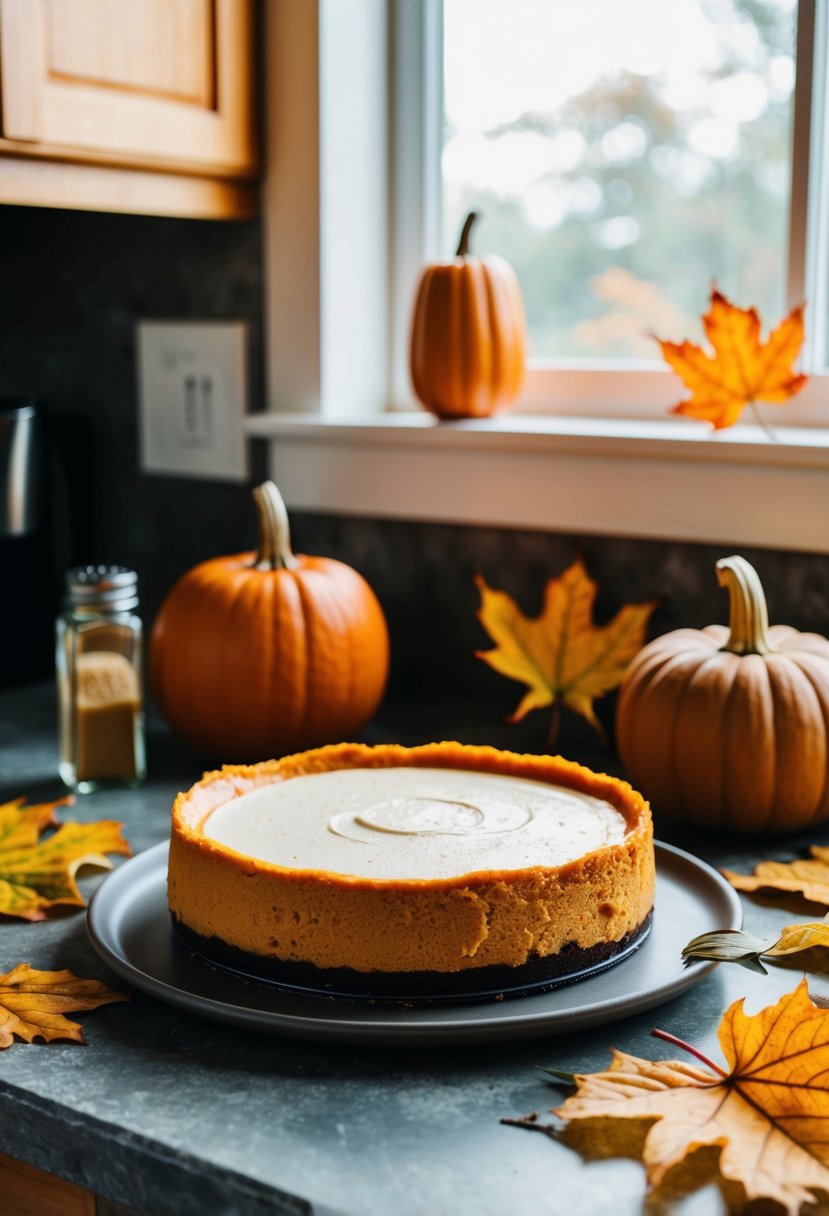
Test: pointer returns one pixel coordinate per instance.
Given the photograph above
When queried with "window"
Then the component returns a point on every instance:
(353, 206)
(624, 157)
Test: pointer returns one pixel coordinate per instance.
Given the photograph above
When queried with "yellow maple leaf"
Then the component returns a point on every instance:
(768, 1115)
(795, 939)
(36, 872)
(33, 1004)
(561, 656)
(743, 369)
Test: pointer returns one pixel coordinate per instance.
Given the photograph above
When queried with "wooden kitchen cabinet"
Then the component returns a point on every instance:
(30, 1192)
(128, 105)
(26, 1191)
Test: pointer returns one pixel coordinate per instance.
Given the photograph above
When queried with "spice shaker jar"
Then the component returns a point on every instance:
(100, 704)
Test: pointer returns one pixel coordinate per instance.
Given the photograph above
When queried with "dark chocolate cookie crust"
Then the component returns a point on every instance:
(571, 963)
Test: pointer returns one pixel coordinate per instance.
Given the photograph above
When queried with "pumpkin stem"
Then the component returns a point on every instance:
(274, 552)
(463, 243)
(748, 616)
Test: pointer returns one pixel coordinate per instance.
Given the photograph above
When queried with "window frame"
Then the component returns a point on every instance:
(603, 388)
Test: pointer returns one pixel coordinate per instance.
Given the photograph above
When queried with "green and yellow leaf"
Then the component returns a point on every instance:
(38, 872)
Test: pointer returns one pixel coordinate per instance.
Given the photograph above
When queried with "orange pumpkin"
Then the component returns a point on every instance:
(729, 728)
(468, 335)
(261, 654)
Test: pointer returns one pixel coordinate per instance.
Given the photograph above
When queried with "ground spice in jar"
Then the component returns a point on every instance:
(107, 702)
(99, 679)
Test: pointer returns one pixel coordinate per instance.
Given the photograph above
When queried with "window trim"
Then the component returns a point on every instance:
(663, 479)
(805, 152)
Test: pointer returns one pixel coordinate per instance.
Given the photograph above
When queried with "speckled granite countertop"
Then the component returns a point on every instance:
(177, 1116)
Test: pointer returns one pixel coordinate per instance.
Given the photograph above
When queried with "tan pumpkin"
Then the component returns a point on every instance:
(468, 335)
(729, 728)
(257, 655)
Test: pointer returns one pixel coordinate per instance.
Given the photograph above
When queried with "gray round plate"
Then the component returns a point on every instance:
(130, 928)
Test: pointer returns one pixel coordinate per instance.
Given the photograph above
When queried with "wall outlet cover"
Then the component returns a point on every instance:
(192, 395)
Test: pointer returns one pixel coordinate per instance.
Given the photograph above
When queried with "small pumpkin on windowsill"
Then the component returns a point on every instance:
(264, 653)
(729, 728)
(468, 335)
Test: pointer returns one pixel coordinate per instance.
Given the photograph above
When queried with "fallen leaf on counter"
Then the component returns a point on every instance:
(32, 1004)
(562, 657)
(730, 946)
(743, 369)
(806, 877)
(38, 872)
(796, 938)
(807, 941)
(768, 1115)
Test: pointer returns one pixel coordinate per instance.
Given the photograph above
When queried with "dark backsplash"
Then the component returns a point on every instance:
(424, 575)
(75, 284)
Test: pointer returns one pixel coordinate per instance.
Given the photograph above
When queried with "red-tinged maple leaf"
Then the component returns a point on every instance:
(767, 1114)
(742, 369)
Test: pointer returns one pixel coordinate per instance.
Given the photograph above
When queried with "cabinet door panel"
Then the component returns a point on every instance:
(160, 80)
(155, 47)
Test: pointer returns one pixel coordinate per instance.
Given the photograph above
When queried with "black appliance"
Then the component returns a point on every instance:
(28, 582)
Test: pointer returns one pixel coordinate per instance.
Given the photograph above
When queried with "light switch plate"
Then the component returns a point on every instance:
(192, 396)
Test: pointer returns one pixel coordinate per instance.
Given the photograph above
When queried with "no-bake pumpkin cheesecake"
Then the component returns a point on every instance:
(431, 871)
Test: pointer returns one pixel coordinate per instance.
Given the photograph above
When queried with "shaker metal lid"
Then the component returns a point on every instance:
(102, 586)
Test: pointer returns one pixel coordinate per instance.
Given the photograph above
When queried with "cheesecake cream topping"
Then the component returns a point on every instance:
(414, 823)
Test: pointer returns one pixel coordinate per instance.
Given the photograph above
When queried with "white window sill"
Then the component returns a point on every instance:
(665, 479)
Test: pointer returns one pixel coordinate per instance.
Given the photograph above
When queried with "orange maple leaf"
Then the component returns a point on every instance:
(561, 656)
(769, 1114)
(742, 369)
(32, 1004)
(36, 874)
